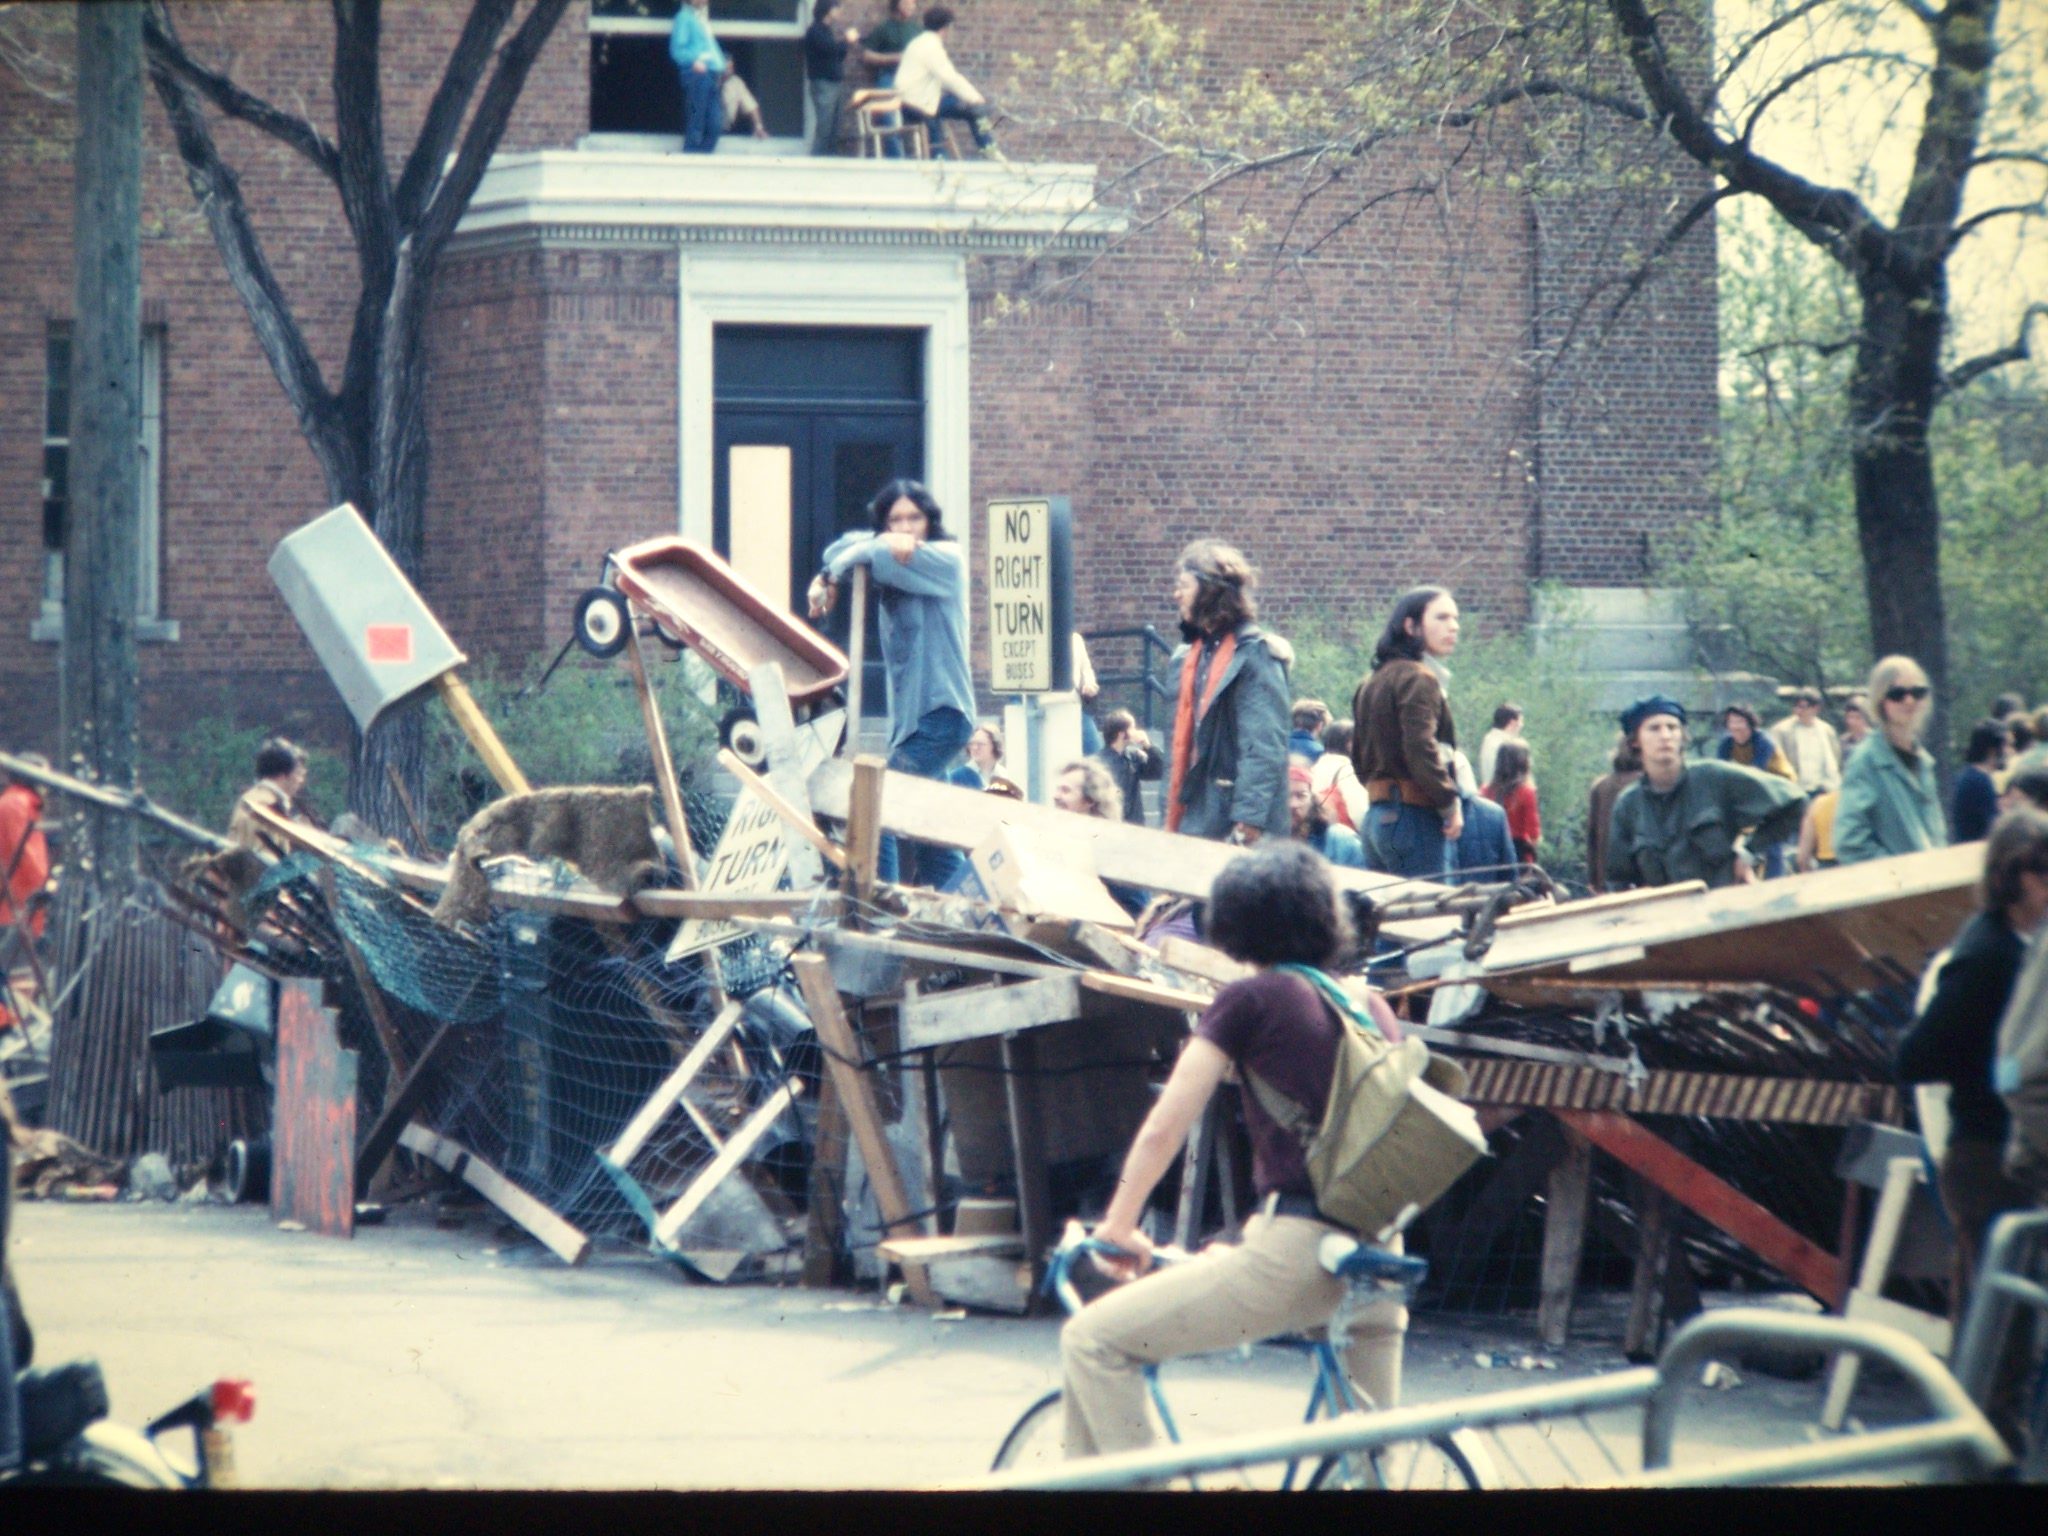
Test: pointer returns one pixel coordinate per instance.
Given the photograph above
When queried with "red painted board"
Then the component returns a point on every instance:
(313, 1129)
(1713, 1198)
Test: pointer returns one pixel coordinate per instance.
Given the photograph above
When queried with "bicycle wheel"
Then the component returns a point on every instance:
(1037, 1438)
(1454, 1460)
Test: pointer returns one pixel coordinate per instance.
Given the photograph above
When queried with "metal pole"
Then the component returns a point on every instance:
(856, 659)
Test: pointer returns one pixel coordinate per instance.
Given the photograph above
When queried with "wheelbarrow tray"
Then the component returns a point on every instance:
(698, 600)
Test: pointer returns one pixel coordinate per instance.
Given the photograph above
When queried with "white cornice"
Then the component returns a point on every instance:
(610, 196)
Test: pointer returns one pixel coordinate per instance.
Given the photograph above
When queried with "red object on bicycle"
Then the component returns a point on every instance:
(234, 1401)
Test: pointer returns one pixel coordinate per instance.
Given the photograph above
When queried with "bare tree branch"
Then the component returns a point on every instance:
(1753, 42)
(2033, 210)
(167, 51)
(2017, 351)
(466, 63)
(1925, 12)
(1634, 282)
(1963, 56)
(219, 195)
(1785, 84)
(493, 111)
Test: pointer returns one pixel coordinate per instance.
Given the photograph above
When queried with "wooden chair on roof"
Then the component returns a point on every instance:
(880, 116)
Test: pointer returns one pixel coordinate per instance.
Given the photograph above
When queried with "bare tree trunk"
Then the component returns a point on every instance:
(98, 668)
(1898, 516)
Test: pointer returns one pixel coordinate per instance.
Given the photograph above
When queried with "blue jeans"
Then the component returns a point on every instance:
(1406, 840)
(927, 752)
(703, 117)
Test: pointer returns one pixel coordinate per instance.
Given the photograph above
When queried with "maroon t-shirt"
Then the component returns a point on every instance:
(1277, 1025)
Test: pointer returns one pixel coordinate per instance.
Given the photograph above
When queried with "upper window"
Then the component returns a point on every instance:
(57, 486)
(633, 83)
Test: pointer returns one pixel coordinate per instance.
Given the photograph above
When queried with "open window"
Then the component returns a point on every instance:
(634, 91)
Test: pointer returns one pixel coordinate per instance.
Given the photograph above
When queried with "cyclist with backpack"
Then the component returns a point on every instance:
(1285, 1029)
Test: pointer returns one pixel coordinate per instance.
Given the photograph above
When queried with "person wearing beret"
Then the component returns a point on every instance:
(1684, 819)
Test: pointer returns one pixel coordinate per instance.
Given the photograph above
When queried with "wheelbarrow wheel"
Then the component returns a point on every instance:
(740, 733)
(603, 623)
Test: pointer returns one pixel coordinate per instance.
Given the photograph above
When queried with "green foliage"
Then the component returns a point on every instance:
(1569, 737)
(584, 727)
(201, 770)
(1775, 581)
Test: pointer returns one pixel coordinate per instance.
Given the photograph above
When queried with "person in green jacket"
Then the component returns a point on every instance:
(1681, 821)
(1890, 804)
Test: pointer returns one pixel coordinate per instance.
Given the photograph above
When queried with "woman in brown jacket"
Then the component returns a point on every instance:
(1403, 739)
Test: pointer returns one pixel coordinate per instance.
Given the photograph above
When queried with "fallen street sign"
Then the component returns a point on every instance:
(748, 861)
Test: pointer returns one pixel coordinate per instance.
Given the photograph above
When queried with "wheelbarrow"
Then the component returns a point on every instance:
(694, 600)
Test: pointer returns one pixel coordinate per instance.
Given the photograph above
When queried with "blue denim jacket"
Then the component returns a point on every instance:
(924, 624)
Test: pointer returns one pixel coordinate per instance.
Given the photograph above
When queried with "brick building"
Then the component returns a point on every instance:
(627, 341)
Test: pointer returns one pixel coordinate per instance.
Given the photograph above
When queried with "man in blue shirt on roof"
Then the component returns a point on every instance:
(701, 63)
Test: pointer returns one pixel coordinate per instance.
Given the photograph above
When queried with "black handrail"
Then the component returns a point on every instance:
(1150, 686)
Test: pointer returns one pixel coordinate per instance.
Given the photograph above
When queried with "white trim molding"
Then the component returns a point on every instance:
(911, 290)
(673, 199)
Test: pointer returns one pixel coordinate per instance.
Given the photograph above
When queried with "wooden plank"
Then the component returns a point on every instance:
(788, 763)
(825, 1219)
(373, 1000)
(960, 958)
(1543, 1084)
(843, 1058)
(668, 1230)
(1027, 1153)
(402, 1101)
(953, 816)
(651, 1114)
(558, 1236)
(922, 1250)
(797, 821)
(1802, 1261)
(1452, 1039)
(1902, 1176)
(1182, 954)
(816, 905)
(1642, 1334)
(976, 1013)
(1564, 1240)
(664, 764)
(1131, 989)
(864, 825)
(313, 1134)
(856, 656)
(476, 725)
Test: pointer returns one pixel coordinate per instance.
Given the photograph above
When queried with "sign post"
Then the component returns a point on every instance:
(1031, 614)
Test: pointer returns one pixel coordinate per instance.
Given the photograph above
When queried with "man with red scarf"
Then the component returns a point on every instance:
(1229, 766)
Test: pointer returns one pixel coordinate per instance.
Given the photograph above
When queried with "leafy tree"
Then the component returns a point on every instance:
(1775, 574)
(367, 429)
(1421, 108)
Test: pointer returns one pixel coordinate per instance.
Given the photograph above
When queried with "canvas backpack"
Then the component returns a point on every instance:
(1369, 1085)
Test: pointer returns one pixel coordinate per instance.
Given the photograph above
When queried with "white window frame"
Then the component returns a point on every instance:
(740, 143)
(150, 626)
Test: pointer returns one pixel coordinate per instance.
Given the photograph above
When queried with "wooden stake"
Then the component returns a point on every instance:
(373, 1000)
(795, 819)
(412, 815)
(864, 825)
(1564, 1239)
(664, 764)
(857, 1098)
(856, 658)
(477, 727)
(404, 1099)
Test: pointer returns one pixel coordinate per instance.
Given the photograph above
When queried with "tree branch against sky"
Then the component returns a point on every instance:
(1903, 139)
(368, 431)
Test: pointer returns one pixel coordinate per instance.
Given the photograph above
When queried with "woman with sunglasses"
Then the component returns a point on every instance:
(1889, 803)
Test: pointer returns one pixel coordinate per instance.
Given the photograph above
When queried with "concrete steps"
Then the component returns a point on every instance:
(1637, 641)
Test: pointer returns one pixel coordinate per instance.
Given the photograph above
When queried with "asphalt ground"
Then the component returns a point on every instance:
(464, 1356)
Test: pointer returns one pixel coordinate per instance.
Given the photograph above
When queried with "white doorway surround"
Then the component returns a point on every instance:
(852, 286)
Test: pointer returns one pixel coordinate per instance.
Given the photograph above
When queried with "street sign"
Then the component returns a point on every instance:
(1030, 595)
(749, 860)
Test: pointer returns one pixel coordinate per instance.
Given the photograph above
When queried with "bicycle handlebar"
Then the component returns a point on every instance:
(1349, 1258)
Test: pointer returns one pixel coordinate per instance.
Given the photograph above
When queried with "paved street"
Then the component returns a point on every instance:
(468, 1358)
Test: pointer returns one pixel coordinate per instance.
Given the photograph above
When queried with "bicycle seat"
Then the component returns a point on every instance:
(1349, 1259)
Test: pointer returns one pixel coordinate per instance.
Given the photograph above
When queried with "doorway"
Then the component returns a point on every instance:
(808, 423)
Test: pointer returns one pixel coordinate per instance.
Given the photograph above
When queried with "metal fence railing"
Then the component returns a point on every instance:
(1955, 1441)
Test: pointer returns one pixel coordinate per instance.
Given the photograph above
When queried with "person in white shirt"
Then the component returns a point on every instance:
(1507, 726)
(1810, 745)
(932, 88)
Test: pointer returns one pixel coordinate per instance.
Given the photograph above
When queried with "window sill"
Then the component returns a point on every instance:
(49, 629)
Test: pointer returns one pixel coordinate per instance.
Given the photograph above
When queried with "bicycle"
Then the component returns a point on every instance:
(1455, 1459)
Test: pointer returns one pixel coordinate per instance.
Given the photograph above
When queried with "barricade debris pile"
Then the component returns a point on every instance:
(767, 1063)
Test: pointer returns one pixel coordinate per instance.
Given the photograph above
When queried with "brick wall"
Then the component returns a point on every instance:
(1359, 425)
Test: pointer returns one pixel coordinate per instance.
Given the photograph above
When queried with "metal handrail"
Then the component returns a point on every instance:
(1150, 687)
(2014, 1247)
(1958, 1438)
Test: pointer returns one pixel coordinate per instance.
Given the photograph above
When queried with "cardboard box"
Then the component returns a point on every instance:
(1044, 881)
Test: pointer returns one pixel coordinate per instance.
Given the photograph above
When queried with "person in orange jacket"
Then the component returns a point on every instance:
(24, 852)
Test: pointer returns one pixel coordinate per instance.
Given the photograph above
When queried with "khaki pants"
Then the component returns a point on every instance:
(1271, 1283)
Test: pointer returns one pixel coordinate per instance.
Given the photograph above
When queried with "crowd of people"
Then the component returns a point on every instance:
(904, 53)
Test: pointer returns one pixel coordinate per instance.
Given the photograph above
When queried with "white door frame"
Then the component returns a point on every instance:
(910, 290)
